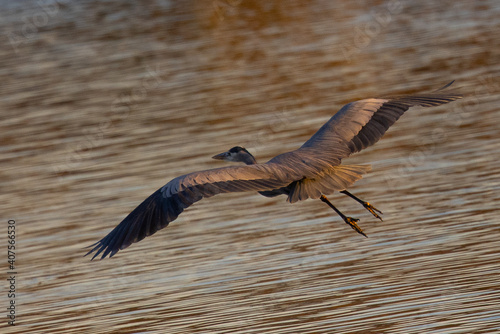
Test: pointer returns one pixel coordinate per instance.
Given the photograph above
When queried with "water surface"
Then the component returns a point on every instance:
(104, 102)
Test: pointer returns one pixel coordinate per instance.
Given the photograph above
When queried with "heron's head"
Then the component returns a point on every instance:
(236, 154)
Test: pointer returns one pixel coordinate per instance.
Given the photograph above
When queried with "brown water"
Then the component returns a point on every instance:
(104, 102)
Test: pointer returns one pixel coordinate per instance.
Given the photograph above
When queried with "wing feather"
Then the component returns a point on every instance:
(168, 202)
(357, 126)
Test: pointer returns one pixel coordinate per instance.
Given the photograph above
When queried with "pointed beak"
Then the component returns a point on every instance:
(220, 156)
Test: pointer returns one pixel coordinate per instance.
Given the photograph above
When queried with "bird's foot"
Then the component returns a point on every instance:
(372, 210)
(352, 223)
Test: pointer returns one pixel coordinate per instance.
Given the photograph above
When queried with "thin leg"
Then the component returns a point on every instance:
(348, 220)
(367, 205)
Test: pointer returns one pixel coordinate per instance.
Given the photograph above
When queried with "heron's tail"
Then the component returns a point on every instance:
(338, 178)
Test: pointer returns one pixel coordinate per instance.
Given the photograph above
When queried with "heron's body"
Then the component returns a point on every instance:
(312, 171)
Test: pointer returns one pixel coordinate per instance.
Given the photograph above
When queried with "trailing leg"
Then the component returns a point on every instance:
(367, 205)
(348, 220)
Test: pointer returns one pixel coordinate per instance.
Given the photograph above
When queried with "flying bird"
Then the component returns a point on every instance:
(312, 171)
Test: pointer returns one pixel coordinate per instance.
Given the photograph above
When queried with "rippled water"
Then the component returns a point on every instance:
(104, 102)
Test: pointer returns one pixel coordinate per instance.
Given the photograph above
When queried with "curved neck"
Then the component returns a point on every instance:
(249, 159)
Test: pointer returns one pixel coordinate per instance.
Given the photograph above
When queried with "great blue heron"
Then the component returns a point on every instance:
(310, 171)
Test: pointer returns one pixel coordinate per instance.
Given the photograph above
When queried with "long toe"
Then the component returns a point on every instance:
(352, 223)
(372, 210)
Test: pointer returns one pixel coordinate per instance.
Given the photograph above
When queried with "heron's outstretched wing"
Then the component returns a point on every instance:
(168, 202)
(354, 127)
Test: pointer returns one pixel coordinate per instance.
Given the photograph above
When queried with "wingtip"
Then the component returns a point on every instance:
(98, 247)
(88, 253)
(446, 86)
